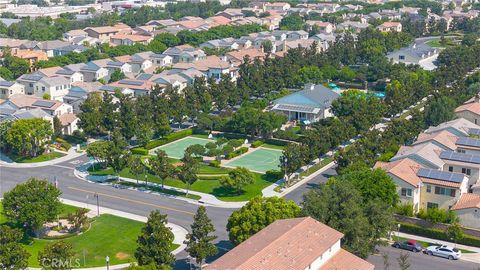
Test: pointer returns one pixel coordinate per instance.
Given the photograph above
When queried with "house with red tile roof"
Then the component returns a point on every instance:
(470, 110)
(290, 244)
(123, 39)
(390, 27)
(468, 210)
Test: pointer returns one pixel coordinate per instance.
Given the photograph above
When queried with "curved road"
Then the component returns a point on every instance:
(181, 212)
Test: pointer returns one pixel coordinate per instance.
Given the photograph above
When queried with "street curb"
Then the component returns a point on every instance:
(306, 179)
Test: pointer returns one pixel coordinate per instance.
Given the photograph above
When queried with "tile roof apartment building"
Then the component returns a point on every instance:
(290, 244)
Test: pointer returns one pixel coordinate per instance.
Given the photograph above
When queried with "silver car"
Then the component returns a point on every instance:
(444, 251)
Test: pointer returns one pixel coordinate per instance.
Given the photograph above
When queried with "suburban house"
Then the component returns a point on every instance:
(122, 39)
(277, 7)
(51, 107)
(185, 54)
(104, 33)
(212, 66)
(91, 72)
(28, 81)
(138, 62)
(324, 27)
(69, 123)
(352, 26)
(49, 46)
(73, 76)
(161, 60)
(425, 187)
(32, 57)
(56, 87)
(308, 105)
(425, 154)
(72, 34)
(458, 127)
(237, 57)
(231, 13)
(390, 27)
(133, 87)
(468, 210)
(470, 110)
(290, 244)
(417, 54)
(8, 89)
(72, 48)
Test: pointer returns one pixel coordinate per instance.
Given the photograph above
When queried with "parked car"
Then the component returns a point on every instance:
(411, 245)
(444, 251)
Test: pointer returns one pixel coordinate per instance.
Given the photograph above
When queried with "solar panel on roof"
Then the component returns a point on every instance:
(440, 175)
(137, 83)
(474, 131)
(31, 77)
(450, 155)
(43, 103)
(468, 141)
(295, 108)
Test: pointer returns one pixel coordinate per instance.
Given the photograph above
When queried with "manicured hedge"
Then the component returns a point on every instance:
(139, 151)
(256, 144)
(214, 163)
(437, 234)
(169, 138)
(233, 136)
(236, 153)
(276, 142)
(274, 174)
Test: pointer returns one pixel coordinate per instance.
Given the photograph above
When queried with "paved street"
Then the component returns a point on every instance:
(181, 212)
(419, 261)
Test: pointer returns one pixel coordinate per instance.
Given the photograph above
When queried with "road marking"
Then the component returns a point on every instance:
(134, 201)
(61, 166)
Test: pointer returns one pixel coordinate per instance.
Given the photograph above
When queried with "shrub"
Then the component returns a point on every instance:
(276, 142)
(274, 174)
(288, 134)
(405, 209)
(236, 153)
(256, 144)
(214, 163)
(139, 151)
(66, 145)
(437, 234)
(168, 138)
(436, 215)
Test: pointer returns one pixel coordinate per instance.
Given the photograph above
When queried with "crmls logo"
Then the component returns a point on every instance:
(59, 263)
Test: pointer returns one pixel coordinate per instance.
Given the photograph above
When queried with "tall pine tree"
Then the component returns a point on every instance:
(199, 244)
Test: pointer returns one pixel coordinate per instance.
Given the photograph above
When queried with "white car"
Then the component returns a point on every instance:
(444, 251)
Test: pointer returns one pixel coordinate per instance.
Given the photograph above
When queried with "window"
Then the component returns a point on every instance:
(406, 192)
(429, 188)
(461, 151)
(445, 191)
(452, 192)
(450, 168)
(466, 171)
(401, 57)
(30, 84)
(432, 205)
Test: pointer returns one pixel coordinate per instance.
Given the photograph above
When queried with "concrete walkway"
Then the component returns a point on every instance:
(472, 257)
(71, 154)
(179, 232)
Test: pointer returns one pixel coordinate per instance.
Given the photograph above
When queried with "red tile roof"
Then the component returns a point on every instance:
(473, 107)
(443, 137)
(405, 169)
(345, 260)
(287, 244)
(467, 200)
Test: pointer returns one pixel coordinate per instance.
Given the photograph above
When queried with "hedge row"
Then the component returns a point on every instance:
(437, 234)
(215, 163)
(139, 151)
(276, 142)
(236, 153)
(169, 138)
(256, 144)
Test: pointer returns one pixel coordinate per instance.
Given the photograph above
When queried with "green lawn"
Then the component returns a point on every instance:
(166, 191)
(316, 167)
(108, 236)
(426, 244)
(207, 184)
(435, 43)
(40, 158)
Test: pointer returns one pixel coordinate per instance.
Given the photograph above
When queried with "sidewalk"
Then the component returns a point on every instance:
(472, 257)
(71, 154)
(179, 232)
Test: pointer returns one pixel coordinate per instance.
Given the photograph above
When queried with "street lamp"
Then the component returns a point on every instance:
(398, 231)
(107, 259)
(285, 160)
(98, 206)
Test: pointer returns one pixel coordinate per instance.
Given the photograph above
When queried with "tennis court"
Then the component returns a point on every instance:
(177, 148)
(260, 160)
